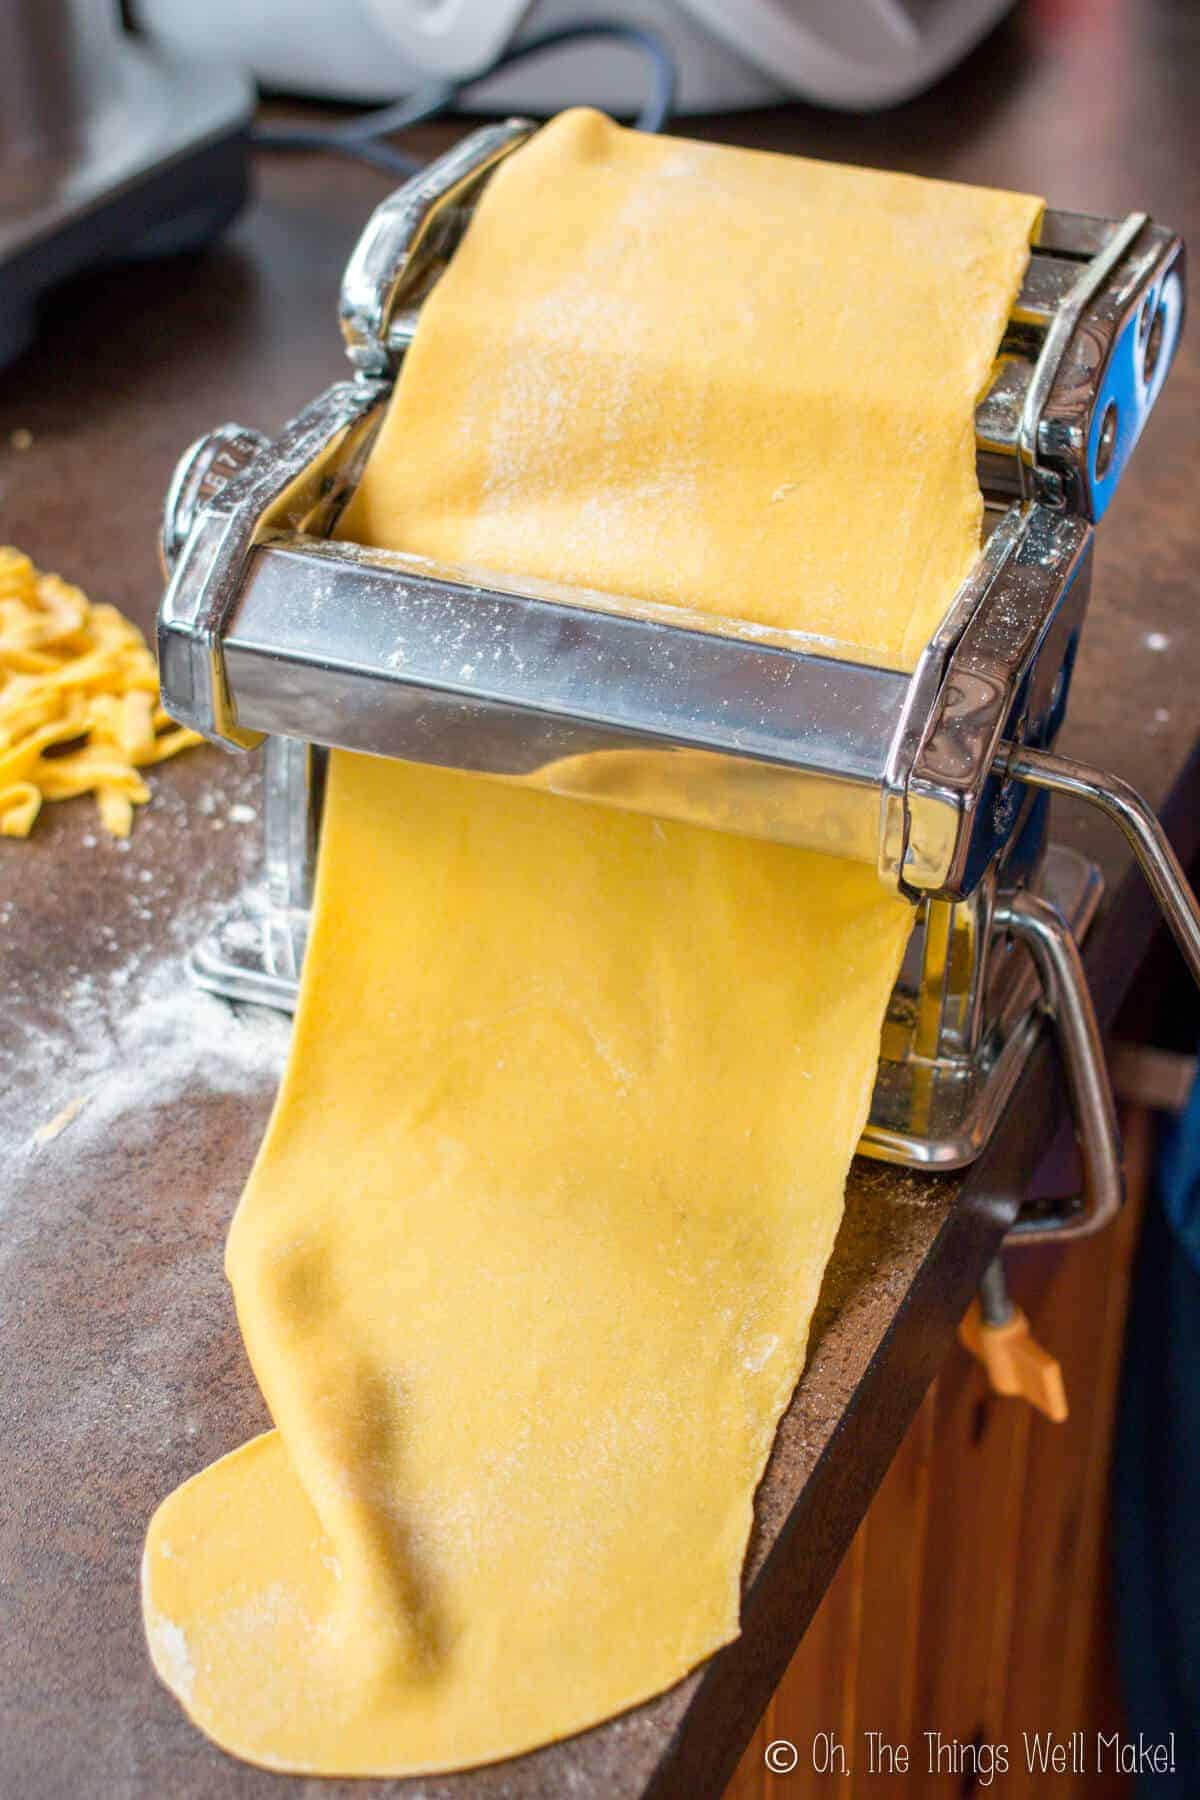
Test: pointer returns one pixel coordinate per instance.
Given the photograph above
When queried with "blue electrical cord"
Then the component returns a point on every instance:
(360, 137)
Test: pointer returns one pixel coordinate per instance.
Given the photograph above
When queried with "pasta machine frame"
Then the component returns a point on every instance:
(270, 628)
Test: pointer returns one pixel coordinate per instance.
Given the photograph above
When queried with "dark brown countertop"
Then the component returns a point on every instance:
(121, 1370)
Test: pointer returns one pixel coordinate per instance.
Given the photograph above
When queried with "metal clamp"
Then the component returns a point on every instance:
(1067, 1000)
(1142, 829)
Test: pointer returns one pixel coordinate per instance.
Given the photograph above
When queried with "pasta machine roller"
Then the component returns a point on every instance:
(270, 629)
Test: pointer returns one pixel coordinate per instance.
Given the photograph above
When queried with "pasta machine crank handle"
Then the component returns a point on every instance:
(1067, 999)
(1141, 827)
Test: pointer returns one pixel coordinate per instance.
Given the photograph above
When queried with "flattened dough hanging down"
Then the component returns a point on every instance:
(526, 1264)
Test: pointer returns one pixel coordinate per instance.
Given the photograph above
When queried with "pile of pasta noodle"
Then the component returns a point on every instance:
(79, 708)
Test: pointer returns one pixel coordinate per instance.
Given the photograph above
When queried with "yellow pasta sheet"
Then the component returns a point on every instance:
(526, 1264)
(743, 383)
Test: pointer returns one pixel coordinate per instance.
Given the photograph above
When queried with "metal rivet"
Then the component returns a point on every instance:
(1108, 440)
(1153, 346)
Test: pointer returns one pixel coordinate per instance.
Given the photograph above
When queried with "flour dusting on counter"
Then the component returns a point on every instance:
(130, 1041)
(115, 1029)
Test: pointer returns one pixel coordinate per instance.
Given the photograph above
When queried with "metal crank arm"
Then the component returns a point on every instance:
(1142, 829)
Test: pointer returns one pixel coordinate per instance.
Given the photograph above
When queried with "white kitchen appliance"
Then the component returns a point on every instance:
(859, 54)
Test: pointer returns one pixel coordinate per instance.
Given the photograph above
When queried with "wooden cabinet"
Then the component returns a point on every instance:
(975, 1599)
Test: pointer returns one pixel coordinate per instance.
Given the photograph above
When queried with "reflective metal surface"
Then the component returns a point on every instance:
(927, 684)
(642, 706)
(408, 242)
(1010, 671)
(994, 1302)
(1063, 322)
(1036, 924)
(1074, 362)
(935, 1102)
(1143, 833)
(200, 474)
(257, 951)
(769, 734)
(298, 480)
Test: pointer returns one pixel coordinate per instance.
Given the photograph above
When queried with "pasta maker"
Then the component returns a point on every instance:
(937, 777)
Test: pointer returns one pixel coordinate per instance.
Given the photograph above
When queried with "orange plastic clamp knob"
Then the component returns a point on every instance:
(1015, 1362)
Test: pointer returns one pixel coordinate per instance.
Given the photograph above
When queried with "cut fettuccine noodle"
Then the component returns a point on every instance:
(79, 707)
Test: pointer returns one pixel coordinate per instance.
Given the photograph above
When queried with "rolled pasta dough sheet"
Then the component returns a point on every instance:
(526, 1263)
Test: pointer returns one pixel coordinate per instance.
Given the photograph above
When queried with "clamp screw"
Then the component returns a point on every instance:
(200, 474)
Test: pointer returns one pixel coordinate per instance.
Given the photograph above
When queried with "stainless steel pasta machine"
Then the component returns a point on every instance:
(938, 777)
